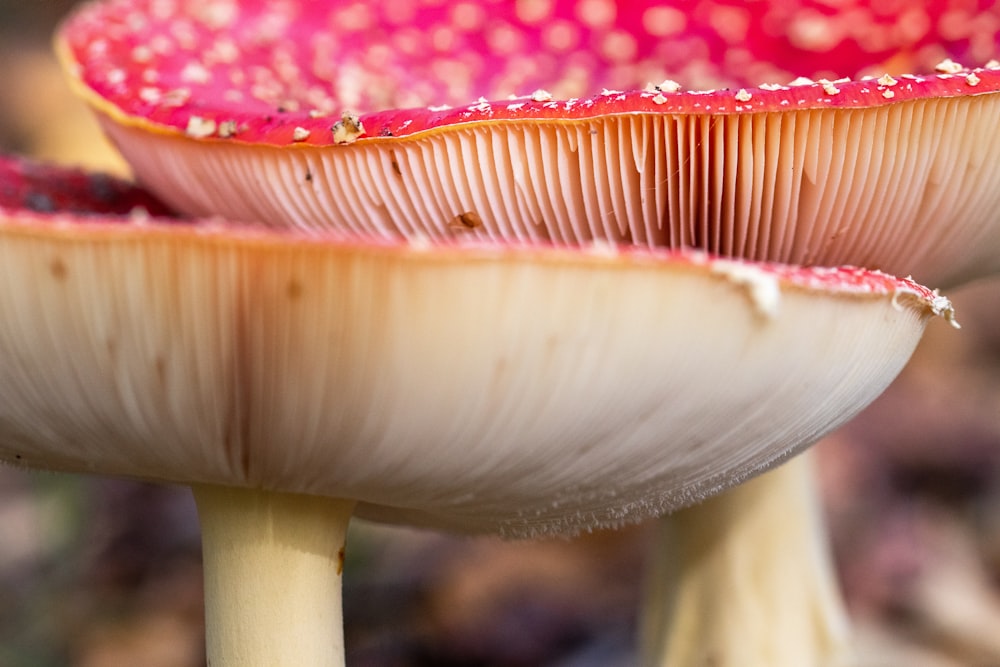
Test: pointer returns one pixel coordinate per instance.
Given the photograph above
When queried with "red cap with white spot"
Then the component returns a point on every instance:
(561, 122)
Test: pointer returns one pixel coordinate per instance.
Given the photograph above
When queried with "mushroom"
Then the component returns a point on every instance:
(263, 125)
(857, 171)
(287, 380)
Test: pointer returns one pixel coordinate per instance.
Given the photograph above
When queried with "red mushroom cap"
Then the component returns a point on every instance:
(278, 73)
(27, 186)
(321, 115)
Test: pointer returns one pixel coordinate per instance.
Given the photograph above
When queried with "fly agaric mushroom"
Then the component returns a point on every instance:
(286, 379)
(877, 170)
(247, 110)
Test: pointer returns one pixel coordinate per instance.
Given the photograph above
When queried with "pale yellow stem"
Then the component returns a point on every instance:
(745, 579)
(273, 566)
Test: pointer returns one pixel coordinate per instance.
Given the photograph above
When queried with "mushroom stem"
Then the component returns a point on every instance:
(272, 564)
(749, 580)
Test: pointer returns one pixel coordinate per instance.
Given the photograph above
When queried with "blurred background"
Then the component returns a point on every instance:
(104, 573)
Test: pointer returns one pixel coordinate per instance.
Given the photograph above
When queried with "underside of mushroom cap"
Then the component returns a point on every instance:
(481, 388)
(304, 114)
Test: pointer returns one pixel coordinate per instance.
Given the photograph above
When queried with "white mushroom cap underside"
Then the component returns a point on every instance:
(528, 392)
(908, 188)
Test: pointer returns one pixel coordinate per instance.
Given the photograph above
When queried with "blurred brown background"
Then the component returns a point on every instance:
(102, 573)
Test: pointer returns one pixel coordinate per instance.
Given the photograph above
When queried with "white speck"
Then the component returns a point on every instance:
(117, 76)
(199, 127)
(829, 88)
(665, 86)
(608, 93)
(348, 129)
(515, 107)
(886, 80)
(888, 94)
(948, 66)
(316, 113)
(224, 50)
(659, 99)
(195, 73)
(941, 306)
(300, 134)
(541, 96)
(217, 15)
(162, 45)
(743, 95)
(440, 107)
(972, 79)
(150, 95)
(763, 287)
(139, 215)
(802, 81)
(176, 97)
(993, 64)
(771, 86)
(142, 54)
(482, 106)
(227, 128)
(97, 48)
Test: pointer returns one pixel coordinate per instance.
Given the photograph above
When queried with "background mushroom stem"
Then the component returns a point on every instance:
(272, 568)
(745, 578)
